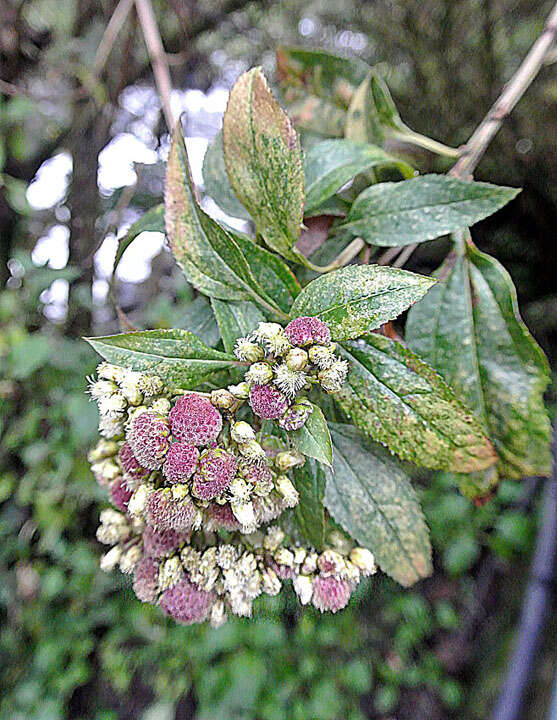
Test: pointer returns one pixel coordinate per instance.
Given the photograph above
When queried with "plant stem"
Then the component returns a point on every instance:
(343, 258)
(157, 55)
(113, 28)
(413, 138)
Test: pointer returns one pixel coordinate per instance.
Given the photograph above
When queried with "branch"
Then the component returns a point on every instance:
(157, 56)
(111, 32)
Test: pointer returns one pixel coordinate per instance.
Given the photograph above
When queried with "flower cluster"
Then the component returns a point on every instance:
(195, 481)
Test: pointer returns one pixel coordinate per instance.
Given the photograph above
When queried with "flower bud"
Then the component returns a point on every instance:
(239, 490)
(303, 586)
(259, 373)
(110, 559)
(224, 400)
(363, 559)
(248, 351)
(288, 459)
(241, 432)
(284, 556)
(130, 388)
(111, 372)
(333, 378)
(270, 582)
(273, 538)
(296, 359)
(299, 555)
(245, 515)
(309, 565)
(340, 542)
(296, 415)
(150, 385)
(138, 501)
(170, 573)
(253, 451)
(129, 559)
(161, 406)
(102, 450)
(322, 356)
(240, 391)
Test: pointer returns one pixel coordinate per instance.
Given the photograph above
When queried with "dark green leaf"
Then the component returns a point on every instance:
(235, 319)
(470, 330)
(216, 181)
(313, 438)
(197, 317)
(264, 162)
(359, 298)
(369, 494)
(177, 356)
(426, 207)
(332, 163)
(151, 221)
(208, 254)
(310, 480)
(398, 400)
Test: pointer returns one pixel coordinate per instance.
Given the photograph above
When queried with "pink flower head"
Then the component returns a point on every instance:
(267, 402)
(214, 474)
(159, 543)
(195, 421)
(166, 513)
(187, 603)
(256, 472)
(148, 438)
(120, 494)
(221, 516)
(180, 462)
(132, 469)
(307, 331)
(330, 593)
(146, 579)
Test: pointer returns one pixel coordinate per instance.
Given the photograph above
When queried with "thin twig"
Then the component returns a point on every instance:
(111, 32)
(157, 56)
(342, 259)
(404, 255)
(386, 257)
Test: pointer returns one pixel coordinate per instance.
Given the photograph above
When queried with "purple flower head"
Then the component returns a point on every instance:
(146, 579)
(267, 402)
(214, 474)
(296, 415)
(132, 469)
(159, 543)
(187, 603)
(166, 513)
(148, 438)
(180, 462)
(256, 472)
(195, 421)
(120, 494)
(307, 331)
(330, 594)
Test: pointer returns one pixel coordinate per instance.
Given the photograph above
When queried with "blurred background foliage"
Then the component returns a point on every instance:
(75, 643)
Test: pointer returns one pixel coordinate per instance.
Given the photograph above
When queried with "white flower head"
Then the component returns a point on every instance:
(248, 351)
(129, 559)
(273, 337)
(106, 371)
(303, 586)
(290, 382)
(333, 378)
(260, 373)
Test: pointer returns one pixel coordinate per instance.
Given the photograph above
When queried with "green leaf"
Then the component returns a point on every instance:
(216, 181)
(362, 121)
(235, 319)
(197, 317)
(264, 162)
(470, 330)
(359, 298)
(398, 400)
(332, 163)
(177, 356)
(315, 115)
(150, 221)
(310, 481)
(208, 254)
(369, 494)
(313, 438)
(426, 207)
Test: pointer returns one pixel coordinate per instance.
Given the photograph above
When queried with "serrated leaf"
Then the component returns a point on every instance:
(150, 221)
(208, 254)
(369, 494)
(313, 438)
(357, 299)
(332, 163)
(264, 162)
(423, 208)
(235, 319)
(470, 330)
(177, 356)
(216, 181)
(310, 481)
(400, 401)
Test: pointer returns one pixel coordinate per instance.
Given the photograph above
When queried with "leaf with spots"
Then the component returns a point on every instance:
(469, 329)
(369, 494)
(396, 214)
(210, 257)
(331, 164)
(313, 438)
(400, 401)
(235, 319)
(177, 356)
(310, 481)
(264, 162)
(357, 299)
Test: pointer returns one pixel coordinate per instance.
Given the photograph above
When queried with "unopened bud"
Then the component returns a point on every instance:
(240, 391)
(259, 373)
(243, 511)
(129, 559)
(322, 356)
(161, 406)
(309, 565)
(270, 581)
(284, 556)
(333, 378)
(363, 559)
(170, 573)
(252, 450)
(241, 432)
(218, 614)
(102, 450)
(138, 500)
(286, 460)
(110, 559)
(248, 351)
(130, 388)
(296, 359)
(303, 587)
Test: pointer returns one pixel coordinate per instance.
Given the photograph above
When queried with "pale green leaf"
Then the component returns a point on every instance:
(177, 356)
(369, 494)
(313, 438)
(264, 162)
(470, 330)
(310, 481)
(423, 208)
(235, 319)
(357, 299)
(197, 317)
(216, 181)
(400, 401)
